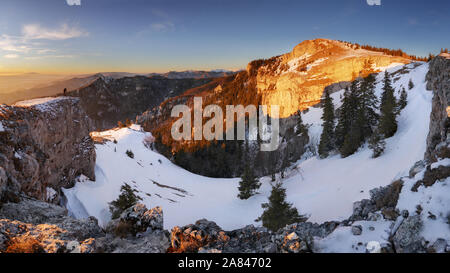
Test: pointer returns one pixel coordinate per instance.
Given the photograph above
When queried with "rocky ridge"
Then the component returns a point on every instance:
(108, 100)
(296, 80)
(44, 145)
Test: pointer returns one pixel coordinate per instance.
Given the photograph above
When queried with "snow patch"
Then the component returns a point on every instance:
(434, 202)
(374, 235)
(51, 193)
(41, 104)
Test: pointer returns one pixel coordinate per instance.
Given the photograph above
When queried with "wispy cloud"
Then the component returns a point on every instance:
(36, 31)
(161, 23)
(13, 44)
(41, 57)
(73, 2)
(11, 56)
(162, 27)
(159, 27)
(374, 2)
(33, 41)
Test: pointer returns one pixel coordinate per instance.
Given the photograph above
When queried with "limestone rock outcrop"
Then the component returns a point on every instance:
(438, 81)
(296, 80)
(44, 145)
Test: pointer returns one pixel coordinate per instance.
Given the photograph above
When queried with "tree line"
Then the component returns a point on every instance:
(392, 52)
(362, 117)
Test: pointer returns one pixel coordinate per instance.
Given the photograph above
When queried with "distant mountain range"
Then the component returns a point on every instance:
(55, 85)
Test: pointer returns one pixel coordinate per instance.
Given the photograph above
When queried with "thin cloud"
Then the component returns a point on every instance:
(159, 27)
(163, 27)
(33, 41)
(162, 23)
(11, 56)
(73, 2)
(32, 58)
(13, 44)
(374, 2)
(36, 31)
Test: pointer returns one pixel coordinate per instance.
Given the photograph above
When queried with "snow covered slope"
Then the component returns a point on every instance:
(184, 197)
(327, 188)
(324, 189)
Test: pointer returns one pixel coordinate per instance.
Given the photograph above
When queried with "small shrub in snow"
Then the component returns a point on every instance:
(249, 184)
(431, 176)
(403, 101)
(130, 154)
(410, 84)
(126, 199)
(390, 197)
(419, 209)
(278, 213)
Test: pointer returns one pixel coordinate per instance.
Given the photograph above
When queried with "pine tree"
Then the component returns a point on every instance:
(300, 128)
(346, 115)
(410, 84)
(388, 123)
(126, 199)
(403, 101)
(377, 143)
(367, 106)
(352, 140)
(249, 184)
(327, 138)
(278, 213)
(350, 124)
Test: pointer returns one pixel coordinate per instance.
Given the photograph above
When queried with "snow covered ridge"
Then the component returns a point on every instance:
(43, 104)
(323, 189)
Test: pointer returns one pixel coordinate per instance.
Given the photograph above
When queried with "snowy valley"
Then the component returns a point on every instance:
(323, 189)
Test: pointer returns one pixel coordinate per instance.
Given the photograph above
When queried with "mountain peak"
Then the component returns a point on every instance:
(296, 80)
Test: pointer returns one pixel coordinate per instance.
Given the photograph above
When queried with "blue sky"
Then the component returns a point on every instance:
(162, 35)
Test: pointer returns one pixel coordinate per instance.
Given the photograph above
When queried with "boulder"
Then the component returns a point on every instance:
(357, 230)
(407, 239)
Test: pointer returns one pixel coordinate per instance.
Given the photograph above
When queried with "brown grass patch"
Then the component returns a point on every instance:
(24, 244)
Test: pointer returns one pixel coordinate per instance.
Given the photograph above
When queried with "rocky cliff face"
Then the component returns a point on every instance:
(108, 100)
(44, 145)
(438, 79)
(296, 80)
